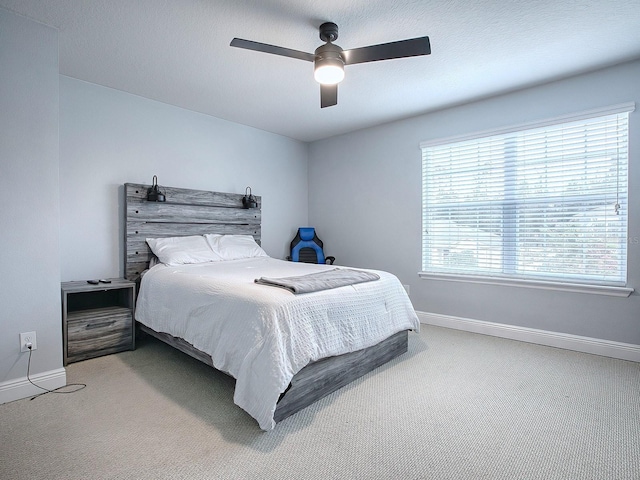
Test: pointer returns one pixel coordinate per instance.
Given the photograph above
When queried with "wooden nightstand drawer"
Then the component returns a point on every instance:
(98, 331)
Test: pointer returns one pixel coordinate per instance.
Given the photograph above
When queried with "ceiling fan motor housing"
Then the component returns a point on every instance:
(328, 52)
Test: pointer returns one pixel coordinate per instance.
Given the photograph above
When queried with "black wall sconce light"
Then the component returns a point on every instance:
(249, 201)
(153, 193)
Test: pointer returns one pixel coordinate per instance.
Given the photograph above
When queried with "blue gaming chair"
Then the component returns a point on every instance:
(307, 247)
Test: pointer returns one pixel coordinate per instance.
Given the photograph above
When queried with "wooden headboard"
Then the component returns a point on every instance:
(185, 212)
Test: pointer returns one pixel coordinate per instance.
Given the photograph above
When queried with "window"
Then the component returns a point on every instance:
(544, 202)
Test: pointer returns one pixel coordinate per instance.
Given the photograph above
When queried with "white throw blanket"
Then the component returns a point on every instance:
(264, 336)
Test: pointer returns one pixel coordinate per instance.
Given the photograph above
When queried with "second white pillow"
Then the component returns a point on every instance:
(234, 247)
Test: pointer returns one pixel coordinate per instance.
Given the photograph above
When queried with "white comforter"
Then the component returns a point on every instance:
(262, 335)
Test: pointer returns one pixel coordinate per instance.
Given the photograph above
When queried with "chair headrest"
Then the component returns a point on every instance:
(307, 233)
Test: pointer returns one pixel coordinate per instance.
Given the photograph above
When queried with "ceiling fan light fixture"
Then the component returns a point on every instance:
(328, 74)
(328, 65)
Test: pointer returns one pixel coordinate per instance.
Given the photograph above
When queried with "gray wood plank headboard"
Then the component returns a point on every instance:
(186, 212)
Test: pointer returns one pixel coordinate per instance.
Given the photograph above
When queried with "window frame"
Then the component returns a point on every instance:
(520, 280)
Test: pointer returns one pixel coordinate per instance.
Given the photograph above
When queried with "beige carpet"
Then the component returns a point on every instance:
(457, 406)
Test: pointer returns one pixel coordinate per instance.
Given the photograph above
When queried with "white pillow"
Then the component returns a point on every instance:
(182, 250)
(233, 247)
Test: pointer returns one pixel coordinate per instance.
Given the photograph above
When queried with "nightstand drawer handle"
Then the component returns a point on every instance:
(98, 325)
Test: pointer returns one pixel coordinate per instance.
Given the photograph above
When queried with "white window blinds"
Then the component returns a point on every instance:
(542, 203)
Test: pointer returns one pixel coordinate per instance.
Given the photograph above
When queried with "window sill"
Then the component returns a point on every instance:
(544, 285)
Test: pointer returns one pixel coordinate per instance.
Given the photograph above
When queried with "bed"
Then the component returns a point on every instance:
(285, 350)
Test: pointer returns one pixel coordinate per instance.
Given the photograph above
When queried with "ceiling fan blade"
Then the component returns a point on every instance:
(387, 51)
(266, 48)
(328, 95)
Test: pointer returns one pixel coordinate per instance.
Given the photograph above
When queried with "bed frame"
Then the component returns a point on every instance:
(195, 212)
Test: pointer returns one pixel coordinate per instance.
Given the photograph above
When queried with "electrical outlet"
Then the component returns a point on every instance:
(26, 338)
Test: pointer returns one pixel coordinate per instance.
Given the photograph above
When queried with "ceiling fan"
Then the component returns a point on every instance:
(329, 59)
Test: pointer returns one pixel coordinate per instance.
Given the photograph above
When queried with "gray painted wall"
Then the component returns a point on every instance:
(365, 201)
(29, 206)
(66, 149)
(108, 138)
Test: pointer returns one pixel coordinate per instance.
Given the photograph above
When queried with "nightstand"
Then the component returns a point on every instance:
(97, 319)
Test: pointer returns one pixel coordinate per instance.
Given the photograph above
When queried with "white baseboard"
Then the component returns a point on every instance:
(22, 388)
(606, 348)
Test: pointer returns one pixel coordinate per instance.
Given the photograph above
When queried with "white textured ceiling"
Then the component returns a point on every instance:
(178, 52)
